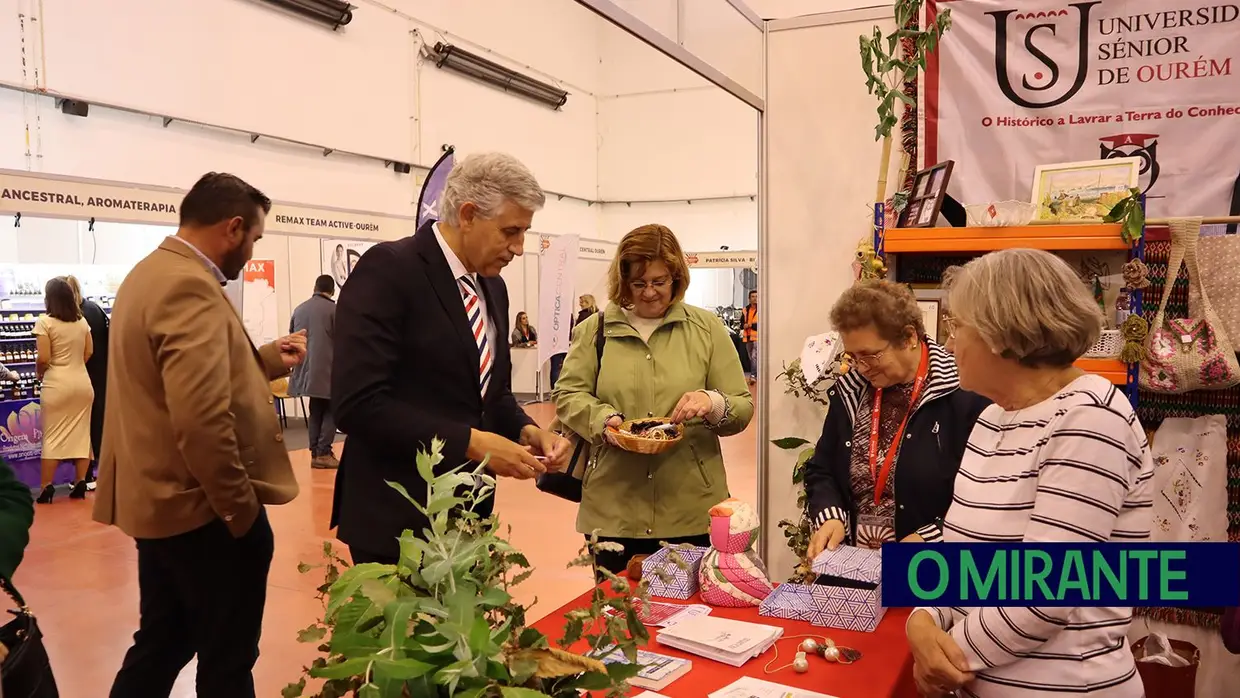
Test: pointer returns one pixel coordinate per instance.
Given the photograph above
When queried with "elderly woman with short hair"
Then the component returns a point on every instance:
(1059, 457)
(660, 358)
(895, 429)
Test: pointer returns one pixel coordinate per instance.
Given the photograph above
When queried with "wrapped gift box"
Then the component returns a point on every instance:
(684, 581)
(850, 598)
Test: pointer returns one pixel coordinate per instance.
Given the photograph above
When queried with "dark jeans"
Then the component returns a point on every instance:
(617, 563)
(201, 593)
(321, 427)
(557, 364)
(361, 557)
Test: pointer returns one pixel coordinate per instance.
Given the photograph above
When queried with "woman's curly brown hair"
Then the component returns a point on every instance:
(641, 247)
(890, 308)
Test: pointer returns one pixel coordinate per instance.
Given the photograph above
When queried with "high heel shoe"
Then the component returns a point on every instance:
(45, 497)
(79, 490)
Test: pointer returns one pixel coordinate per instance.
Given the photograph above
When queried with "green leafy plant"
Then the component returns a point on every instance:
(887, 68)
(798, 532)
(442, 622)
(1129, 213)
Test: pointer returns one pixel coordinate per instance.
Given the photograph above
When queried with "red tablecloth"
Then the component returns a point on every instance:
(884, 671)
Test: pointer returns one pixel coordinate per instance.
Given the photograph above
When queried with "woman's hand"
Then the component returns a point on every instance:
(694, 405)
(913, 538)
(613, 423)
(939, 667)
(827, 537)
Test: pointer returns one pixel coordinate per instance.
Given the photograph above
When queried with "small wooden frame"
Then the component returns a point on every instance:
(929, 189)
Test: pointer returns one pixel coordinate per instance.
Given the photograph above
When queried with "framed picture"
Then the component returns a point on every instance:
(1082, 192)
(929, 188)
(930, 301)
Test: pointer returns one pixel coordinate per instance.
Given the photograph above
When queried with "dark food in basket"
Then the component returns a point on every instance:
(654, 429)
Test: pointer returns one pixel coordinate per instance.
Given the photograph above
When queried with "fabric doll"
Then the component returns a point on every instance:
(731, 573)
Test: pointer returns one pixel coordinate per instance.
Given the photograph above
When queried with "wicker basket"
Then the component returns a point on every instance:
(641, 444)
(1108, 346)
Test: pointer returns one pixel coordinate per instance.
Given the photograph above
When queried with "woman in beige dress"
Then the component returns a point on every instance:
(64, 345)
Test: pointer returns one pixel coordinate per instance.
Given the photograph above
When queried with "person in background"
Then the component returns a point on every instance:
(587, 307)
(523, 335)
(895, 430)
(96, 367)
(1058, 458)
(63, 342)
(9, 374)
(749, 334)
(661, 358)
(420, 355)
(192, 449)
(313, 378)
(16, 517)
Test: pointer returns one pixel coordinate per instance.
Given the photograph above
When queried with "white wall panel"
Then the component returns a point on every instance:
(118, 146)
(701, 226)
(558, 145)
(779, 9)
(684, 144)
(819, 190)
(628, 65)
(715, 32)
(242, 64)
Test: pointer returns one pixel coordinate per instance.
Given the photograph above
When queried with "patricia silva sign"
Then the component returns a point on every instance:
(1061, 574)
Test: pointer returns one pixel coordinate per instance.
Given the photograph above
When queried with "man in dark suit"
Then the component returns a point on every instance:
(421, 353)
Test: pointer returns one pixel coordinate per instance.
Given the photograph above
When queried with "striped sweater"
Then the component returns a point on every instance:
(1073, 468)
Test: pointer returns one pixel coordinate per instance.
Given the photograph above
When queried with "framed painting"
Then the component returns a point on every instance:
(929, 188)
(1082, 192)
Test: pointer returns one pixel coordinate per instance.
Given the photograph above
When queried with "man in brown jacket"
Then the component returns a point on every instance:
(193, 450)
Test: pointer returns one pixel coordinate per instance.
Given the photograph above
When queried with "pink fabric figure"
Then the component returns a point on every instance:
(731, 573)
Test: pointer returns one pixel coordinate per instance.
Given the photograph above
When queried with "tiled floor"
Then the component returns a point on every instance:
(81, 578)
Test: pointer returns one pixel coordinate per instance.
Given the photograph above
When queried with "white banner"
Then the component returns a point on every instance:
(722, 260)
(1023, 83)
(340, 256)
(557, 271)
(39, 195)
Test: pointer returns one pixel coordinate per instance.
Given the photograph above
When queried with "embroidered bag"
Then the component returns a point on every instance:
(1191, 353)
(1219, 256)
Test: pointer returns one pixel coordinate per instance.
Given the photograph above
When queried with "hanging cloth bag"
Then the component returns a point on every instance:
(1192, 353)
(1219, 256)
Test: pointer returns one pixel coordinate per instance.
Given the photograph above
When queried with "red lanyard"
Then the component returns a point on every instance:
(880, 476)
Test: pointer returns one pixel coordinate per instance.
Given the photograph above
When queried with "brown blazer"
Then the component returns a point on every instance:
(190, 432)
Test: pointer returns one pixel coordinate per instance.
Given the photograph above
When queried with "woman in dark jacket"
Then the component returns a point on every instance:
(903, 388)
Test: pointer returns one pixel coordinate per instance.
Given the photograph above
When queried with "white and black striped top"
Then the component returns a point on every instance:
(1073, 468)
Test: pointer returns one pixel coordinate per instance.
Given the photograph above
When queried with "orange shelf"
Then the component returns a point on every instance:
(1101, 236)
(1113, 370)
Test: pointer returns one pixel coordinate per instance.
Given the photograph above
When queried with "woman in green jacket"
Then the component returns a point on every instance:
(661, 358)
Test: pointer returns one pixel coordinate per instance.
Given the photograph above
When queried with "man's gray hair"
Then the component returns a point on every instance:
(487, 180)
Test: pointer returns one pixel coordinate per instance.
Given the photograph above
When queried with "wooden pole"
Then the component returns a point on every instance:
(880, 192)
(1206, 220)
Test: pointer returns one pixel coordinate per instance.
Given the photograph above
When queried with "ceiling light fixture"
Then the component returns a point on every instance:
(333, 13)
(472, 65)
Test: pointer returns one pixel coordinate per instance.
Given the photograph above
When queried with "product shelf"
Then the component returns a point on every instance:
(1049, 237)
(1113, 370)
(1102, 236)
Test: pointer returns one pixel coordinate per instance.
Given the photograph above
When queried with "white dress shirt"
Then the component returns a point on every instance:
(458, 270)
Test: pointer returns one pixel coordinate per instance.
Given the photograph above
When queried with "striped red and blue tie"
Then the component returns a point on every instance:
(478, 324)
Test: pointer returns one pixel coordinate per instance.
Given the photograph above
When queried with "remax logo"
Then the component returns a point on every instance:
(1030, 29)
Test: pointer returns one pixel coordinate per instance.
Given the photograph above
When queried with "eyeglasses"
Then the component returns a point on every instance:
(867, 361)
(657, 283)
(950, 325)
